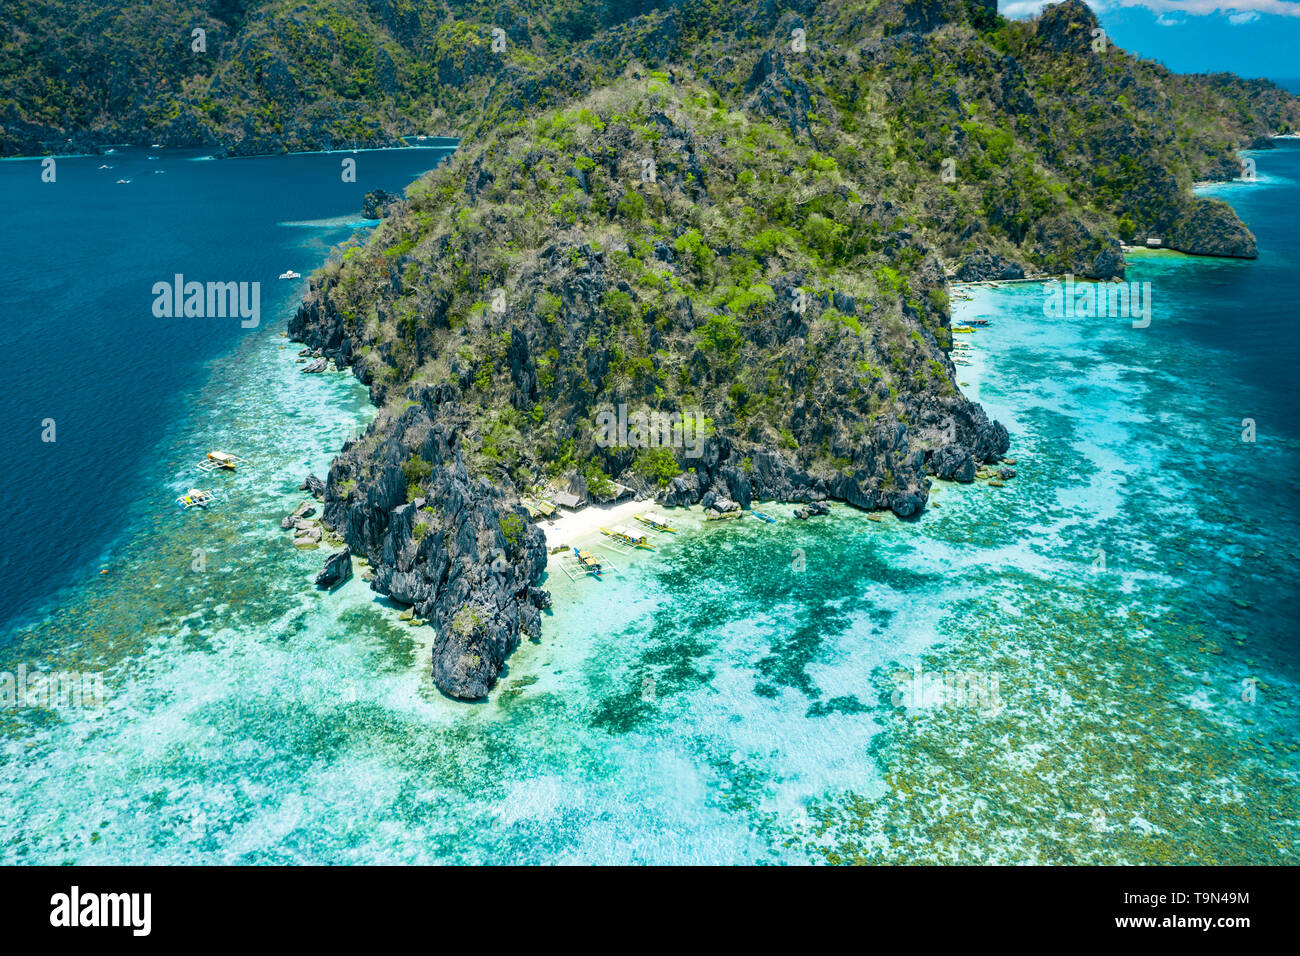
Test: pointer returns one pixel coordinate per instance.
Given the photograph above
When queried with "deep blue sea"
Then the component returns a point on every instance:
(81, 256)
(1096, 662)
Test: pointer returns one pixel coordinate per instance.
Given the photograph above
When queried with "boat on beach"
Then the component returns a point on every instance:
(588, 562)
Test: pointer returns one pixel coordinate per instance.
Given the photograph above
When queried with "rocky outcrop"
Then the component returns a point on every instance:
(377, 203)
(776, 93)
(459, 550)
(1222, 169)
(1068, 27)
(1210, 227)
(302, 512)
(984, 266)
(338, 568)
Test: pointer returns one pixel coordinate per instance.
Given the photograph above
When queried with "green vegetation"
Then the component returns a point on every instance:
(415, 470)
(782, 274)
(512, 528)
(467, 620)
(598, 483)
(656, 464)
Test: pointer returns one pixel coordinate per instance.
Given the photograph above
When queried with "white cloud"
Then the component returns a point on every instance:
(1017, 9)
(1237, 11)
(1165, 20)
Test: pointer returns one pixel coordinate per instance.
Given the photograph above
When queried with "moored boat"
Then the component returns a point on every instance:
(588, 562)
(628, 536)
(656, 522)
(763, 517)
(195, 498)
(222, 460)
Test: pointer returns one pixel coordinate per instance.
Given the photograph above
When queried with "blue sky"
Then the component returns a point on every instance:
(1246, 37)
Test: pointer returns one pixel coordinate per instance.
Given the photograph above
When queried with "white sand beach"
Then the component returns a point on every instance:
(572, 528)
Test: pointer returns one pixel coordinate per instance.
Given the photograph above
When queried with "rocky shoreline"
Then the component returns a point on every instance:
(595, 257)
(449, 553)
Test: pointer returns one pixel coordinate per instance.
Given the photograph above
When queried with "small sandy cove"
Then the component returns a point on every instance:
(570, 528)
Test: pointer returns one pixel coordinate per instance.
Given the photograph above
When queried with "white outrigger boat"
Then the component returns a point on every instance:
(220, 459)
(657, 522)
(290, 274)
(196, 498)
(628, 536)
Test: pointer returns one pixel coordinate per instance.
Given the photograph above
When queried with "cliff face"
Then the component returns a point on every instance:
(457, 549)
(814, 368)
(1210, 227)
(752, 239)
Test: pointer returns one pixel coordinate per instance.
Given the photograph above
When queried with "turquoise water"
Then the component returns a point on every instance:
(731, 697)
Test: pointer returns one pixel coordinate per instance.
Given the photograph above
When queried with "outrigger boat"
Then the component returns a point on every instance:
(290, 274)
(763, 517)
(588, 562)
(195, 498)
(222, 460)
(656, 522)
(584, 562)
(628, 536)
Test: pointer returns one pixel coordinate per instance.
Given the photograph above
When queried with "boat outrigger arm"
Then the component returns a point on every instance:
(656, 522)
(195, 498)
(222, 460)
(584, 562)
(628, 536)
